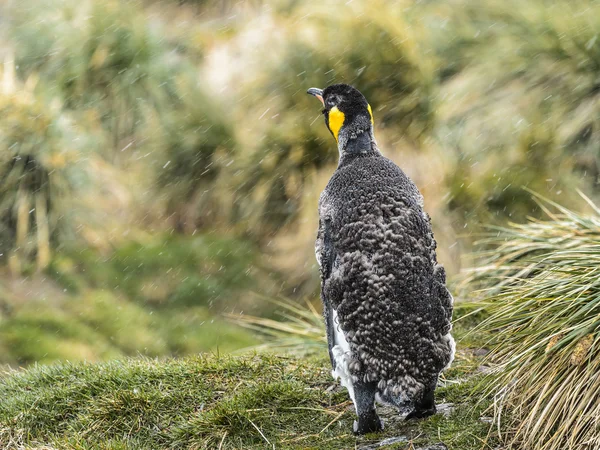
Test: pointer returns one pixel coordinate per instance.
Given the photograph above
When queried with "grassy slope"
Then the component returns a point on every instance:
(210, 401)
(159, 297)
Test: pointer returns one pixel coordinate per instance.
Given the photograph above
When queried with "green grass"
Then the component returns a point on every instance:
(157, 296)
(160, 297)
(204, 402)
(165, 271)
(97, 326)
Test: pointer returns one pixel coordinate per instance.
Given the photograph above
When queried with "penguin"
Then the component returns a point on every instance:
(386, 307)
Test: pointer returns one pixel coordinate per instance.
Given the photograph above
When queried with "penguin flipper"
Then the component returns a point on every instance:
(324, 252)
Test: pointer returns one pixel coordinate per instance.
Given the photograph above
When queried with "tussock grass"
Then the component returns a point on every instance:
(101, 57)
(519, 101)
(39, 174)
(544, 307)
(297, 329)
(196, 142)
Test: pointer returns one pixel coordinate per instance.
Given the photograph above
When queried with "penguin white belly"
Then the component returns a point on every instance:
(452, 345)
(341, 355)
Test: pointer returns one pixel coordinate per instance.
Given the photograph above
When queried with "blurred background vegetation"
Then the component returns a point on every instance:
(160, 162)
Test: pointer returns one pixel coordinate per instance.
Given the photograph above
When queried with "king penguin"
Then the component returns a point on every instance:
(386, 306)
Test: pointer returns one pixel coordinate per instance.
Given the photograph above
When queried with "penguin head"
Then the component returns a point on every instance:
(347, 112)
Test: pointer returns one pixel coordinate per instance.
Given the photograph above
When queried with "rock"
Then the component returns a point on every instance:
(445, 408)
(385, 442)
(438, 446)
(485, 369)
(480, 351)
(399, 439)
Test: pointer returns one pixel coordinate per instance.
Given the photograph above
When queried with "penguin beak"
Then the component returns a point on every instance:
(317, 93)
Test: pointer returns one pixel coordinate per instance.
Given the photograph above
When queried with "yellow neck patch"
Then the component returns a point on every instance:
(371, 114)
(336, 120)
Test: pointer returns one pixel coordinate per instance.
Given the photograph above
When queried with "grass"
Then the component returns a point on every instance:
(489, 96)
(297, 329)
(166, 271)
(536, 63)
(544, 320)
(40, 170)
(163, 296)
(99, 57)
(97, 326)
(252, 401)
(197, 144)
(442, 77)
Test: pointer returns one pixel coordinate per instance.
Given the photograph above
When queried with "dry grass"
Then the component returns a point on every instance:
(545, 319)
(300, 329)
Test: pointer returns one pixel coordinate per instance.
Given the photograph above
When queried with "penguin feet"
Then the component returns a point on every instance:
(418, 413)
(425, 406)
(368, 424)
(364, 399)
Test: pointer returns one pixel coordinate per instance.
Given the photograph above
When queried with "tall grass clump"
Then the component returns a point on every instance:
(520, 100)
(196, 143)
(544, 307)
(102, 57)
(297, 329)
(40, 171)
